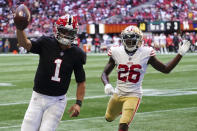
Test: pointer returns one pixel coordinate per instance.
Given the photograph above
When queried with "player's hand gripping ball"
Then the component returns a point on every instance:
(22, 17)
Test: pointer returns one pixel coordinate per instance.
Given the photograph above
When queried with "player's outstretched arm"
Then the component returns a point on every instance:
(23, 40)
(75, 109)
(167, 68)
(104, 77)
(21, 19)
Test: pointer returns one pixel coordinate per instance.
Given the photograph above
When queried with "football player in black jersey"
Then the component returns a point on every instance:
(57, 60)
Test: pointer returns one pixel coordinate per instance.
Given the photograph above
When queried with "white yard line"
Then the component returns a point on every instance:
(6, 84)
(94, 118)
(2, 55)
(146, 92)
(140, 113)
(4, 127)
(26, 102)
(15, 103)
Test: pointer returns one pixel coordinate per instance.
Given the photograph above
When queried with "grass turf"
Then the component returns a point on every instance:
(169, 102)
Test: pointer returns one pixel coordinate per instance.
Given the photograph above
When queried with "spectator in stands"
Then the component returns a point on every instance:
(109, 41)
(1, 45)
(84, 44)
(105, 37)
(97, 44)
(162, 41)
(149, 40)
(156, 42)
(103, 43)
(45, 12)
(116, 40)
(89, 43)
(6, 46)
(170, 43)
(176, 42)
(188, 36)
(145, 38)
(195, 44)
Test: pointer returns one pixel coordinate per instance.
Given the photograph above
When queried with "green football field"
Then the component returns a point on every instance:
(169, 102)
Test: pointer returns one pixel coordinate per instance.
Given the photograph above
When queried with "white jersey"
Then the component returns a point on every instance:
(156, 40)
(162, 39)
(89, 41)
(130, 69)
(116, 40)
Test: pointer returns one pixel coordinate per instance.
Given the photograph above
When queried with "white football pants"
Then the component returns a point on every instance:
(44, 112)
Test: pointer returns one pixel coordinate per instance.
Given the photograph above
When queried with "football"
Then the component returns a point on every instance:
(22, 17)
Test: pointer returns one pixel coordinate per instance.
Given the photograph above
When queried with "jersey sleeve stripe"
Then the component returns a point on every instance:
(152, 53)
(109, 52)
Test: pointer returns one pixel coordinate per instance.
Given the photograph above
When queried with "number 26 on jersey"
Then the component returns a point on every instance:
(133, 75)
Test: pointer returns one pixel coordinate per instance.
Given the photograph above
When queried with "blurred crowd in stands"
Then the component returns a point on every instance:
(45, 13)
(166, 10)
(162, 43)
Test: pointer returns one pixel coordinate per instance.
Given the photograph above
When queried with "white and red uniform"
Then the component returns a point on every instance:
(130, 69)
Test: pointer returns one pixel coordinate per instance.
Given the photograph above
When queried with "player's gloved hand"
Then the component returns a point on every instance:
(109, 90)
(184, 47)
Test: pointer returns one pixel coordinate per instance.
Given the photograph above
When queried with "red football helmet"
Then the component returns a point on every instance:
(66, 28)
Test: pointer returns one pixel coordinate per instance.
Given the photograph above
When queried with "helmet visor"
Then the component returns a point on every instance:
(67, 33)
(131, 40)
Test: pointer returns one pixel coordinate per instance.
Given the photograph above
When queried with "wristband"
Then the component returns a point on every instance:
(79, 102)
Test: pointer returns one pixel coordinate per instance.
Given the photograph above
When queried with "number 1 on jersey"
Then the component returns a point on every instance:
(57, 70)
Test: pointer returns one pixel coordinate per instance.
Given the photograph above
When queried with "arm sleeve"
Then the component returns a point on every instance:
(109, 53)
(36, 45)
(79, 70)
(152, 52)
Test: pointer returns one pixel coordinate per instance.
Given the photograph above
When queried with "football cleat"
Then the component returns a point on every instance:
(66, 28)
(131, 38)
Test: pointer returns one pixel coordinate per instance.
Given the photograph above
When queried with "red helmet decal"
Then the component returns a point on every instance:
(67, 20)
(61, 21)
(74, 22)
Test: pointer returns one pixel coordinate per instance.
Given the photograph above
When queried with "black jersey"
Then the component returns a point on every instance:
(56, 66)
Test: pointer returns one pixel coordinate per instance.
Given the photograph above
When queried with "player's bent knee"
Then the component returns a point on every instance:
(108, 118)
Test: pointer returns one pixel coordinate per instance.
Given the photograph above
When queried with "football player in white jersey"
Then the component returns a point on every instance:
(131, 60)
